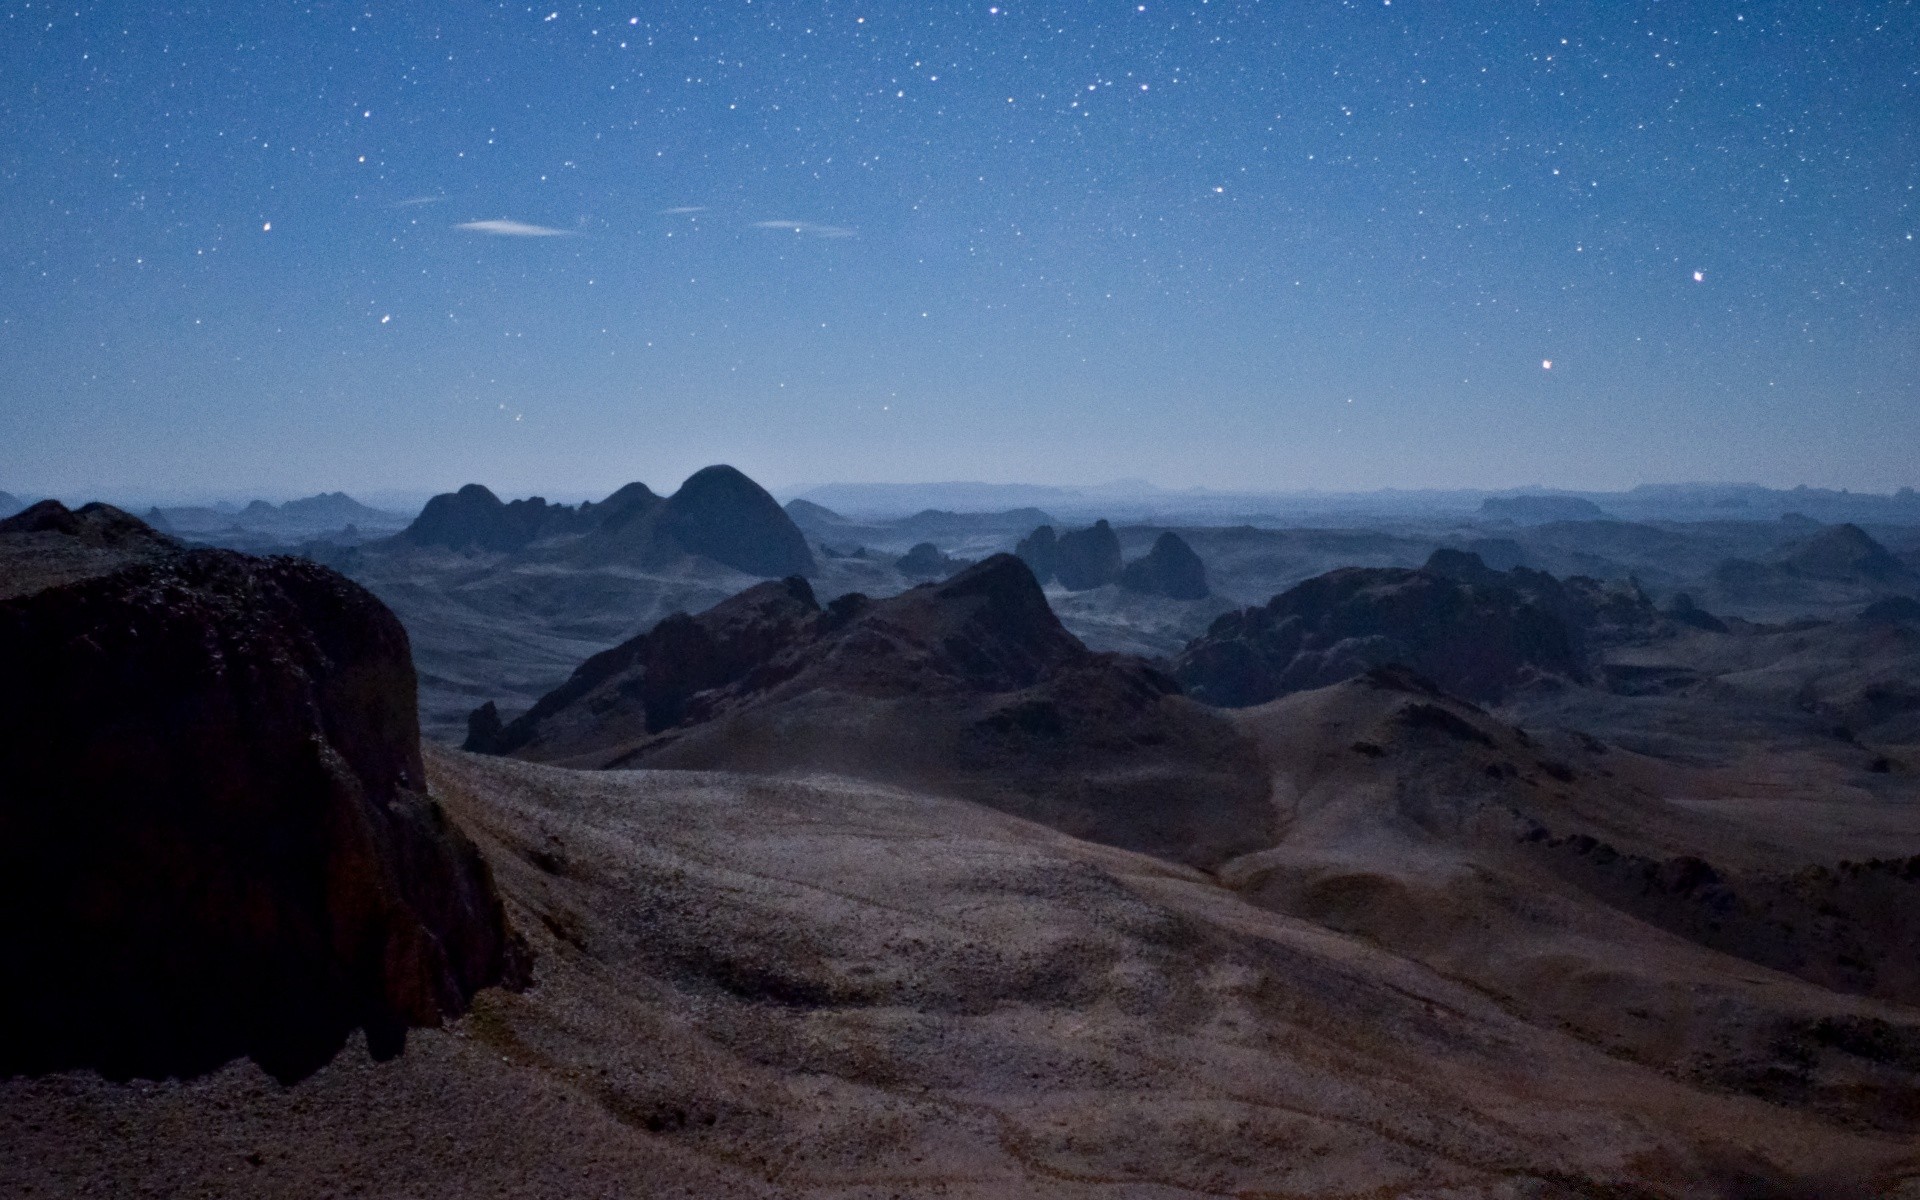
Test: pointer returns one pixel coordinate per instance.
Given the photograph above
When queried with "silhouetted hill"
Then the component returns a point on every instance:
(1087, 558)
(10, 504)
(816, 519)
(215, 838)
(971, 684)
(1845, 553)
(473, 518)
(1539, 510)
(333, 509)
(1040, 551)
(718, 513)
(1170, 569)
(1473, 630)
(925, 561)
(729, 518)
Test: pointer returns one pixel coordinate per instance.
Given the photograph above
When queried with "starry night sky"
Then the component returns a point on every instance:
(1241, 244)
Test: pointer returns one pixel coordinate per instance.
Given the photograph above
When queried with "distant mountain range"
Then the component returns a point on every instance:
(1140, 501)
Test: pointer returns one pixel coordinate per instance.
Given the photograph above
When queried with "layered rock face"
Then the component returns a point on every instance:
(1170, 569)
(1087, 558)
(1474, 630)
(214, 835)
(970, 685)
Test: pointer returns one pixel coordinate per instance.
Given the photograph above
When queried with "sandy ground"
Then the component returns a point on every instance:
(753, 986)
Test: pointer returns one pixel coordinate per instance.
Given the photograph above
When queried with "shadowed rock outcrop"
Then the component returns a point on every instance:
(718, 513)
(970, 686)
(1039, 550)
(473, 518)
(722, 514)
(1087, 558)
(214, 835)
(1845, 553)
(1170, 569)
(1474, 630)
(1540, 510)
(926, 561)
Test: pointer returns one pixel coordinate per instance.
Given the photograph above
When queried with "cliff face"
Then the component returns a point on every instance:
(214, 835)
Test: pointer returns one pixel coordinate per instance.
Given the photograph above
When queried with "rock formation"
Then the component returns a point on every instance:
(1847, 554)
(722, 514)
(1170, 569)
(1040, 552)
(927, 561)
(1891, 611)
(970, 685)
(1473, 630)
(214, 835)
(473, 518)
(1087, 558)
(718, 513)
(1540, 510)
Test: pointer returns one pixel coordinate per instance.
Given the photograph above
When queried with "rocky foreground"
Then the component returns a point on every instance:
(972, 911)
(760, 987)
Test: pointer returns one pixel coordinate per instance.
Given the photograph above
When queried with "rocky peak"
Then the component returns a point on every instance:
(722, 514)
(1087, 558)
(1039, 551)
(1170, 569)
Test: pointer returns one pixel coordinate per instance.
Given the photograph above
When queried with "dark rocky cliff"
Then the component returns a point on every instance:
(215, 838)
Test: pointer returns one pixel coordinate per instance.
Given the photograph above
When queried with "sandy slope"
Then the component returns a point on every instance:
(752, 986)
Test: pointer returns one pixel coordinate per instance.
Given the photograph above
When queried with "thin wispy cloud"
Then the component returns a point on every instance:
(505, 228)
(416, 201)
(807, 228)
(682, 210)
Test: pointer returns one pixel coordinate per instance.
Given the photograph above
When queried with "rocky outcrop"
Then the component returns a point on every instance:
(718, 514)
(1087, 558)
(927, 561)
(215, 838)
(1540, 510)
(1170, 569)
(970, 685)
(1845, 554)
(473, 518)
(1473, 630)
(722, 514)
(1039, 551)
(1893, 610)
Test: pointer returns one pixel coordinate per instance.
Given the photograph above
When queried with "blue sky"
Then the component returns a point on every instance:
(1273, 245)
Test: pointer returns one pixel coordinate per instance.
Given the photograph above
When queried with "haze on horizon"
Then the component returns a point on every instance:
(1321, 246)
